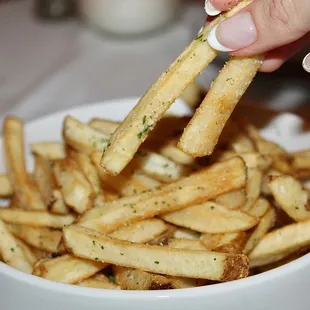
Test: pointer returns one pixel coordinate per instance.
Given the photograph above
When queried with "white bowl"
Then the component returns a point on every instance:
(284, 288)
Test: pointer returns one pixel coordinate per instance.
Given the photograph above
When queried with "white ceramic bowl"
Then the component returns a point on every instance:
(284, 288)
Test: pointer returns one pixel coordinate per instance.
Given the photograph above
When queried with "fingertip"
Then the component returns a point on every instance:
(210, 9)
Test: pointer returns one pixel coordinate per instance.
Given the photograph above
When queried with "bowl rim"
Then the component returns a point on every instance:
(63, 288)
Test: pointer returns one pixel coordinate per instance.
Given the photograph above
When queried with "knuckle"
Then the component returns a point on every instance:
(285, 14)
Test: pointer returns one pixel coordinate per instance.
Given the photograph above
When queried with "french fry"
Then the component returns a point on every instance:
(67, 269)
(6, 189)
(234, 200)
(291, 196)
(265, 224)
(203, 131)
(135, 279)
(126, 140)
(280, 243)
(77, 192)
(28, 251)
(186, 244)
(49, 150)
(200, 186)
(11, 252)
(265, 189)
(184, 233)
(140, 232)
(26, 193)
(35, 218)
(199, 264)
(164, 238)
(42, 238)
(40, 254)
(99, 281)
(47, 186)
(127, 183)
(193, 95)
(103, 125)
(85, 164)
(226, 243)
(301, 160)
(210, 217)
(259, 208)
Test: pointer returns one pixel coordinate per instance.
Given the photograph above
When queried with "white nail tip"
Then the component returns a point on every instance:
(215, 44)
(210, 9)
(306, 62)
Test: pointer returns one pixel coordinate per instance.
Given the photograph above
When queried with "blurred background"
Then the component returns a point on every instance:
(55, 54)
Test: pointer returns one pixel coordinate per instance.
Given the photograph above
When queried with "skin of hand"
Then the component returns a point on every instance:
(276, 28)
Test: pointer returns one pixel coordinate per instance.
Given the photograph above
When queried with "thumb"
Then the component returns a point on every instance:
(262, 26)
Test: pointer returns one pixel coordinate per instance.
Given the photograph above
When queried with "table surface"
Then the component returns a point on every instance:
(47, 67)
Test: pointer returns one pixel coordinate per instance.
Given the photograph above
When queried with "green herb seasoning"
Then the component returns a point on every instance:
(156, 262)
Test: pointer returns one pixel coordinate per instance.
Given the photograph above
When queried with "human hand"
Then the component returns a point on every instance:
(275, 28)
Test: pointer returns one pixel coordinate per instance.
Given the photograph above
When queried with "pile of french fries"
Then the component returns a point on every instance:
(167, 221)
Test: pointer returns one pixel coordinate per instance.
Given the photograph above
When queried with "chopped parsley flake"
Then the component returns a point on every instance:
(111, 278)
(94, 242)
(12, 250)
(102, 247)
(96, 258)
(212, 207)
(121, 254)
(156, 262)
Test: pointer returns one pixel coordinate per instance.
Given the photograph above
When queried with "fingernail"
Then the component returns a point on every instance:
(234, 33)
(306, 63)
(210, 9)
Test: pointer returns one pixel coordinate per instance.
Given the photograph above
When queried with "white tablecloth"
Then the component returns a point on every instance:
(45, 67)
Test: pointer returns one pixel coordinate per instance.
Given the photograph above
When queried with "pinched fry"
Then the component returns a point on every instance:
(199, 264)
(186, 244)
(49, 150)
(26, 193)
(291, 196)
(6, 189)
(200, 186)
(203, 131)
(141, 232)
(280, 243)
(75, 188)
(129, 182)
(67, 269)
(11, 252)
(210, 217)
(135, 279)
(42, 238)
(85, 164)
(266, 222)
(226, 243)
(126, 140)
(35, 218)
(99, 281)
(233, 200)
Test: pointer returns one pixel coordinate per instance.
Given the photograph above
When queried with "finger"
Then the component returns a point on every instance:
(306, 63)
(215, 7)
(262, 26)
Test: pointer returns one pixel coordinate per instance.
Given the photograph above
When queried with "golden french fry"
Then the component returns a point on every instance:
(104, 125)
(226, 243)
(291, 196)
(200, 186)
(6, 189)
(186, 244)
(42, 238)
(28, 251)
(26, 193)
(203, 131)
(184, 233)
(58, 206)
(233, 200)
(301, 160)
(49, 150)
(135, 279)
(164, 238)
(259, 208)
(77, 192)
(141, 232)
(210, 217)
(86, 243)
(11, 251)
(35, 218)
(67, 269)
(266, 222)
(99, 281)
(85, 164)
(265, 189)
(280, 243)
(127, 183)
(126, 140)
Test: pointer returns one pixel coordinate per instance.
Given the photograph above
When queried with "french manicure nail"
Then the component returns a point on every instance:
(210, 9)
(234, 33)
(306, 63)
